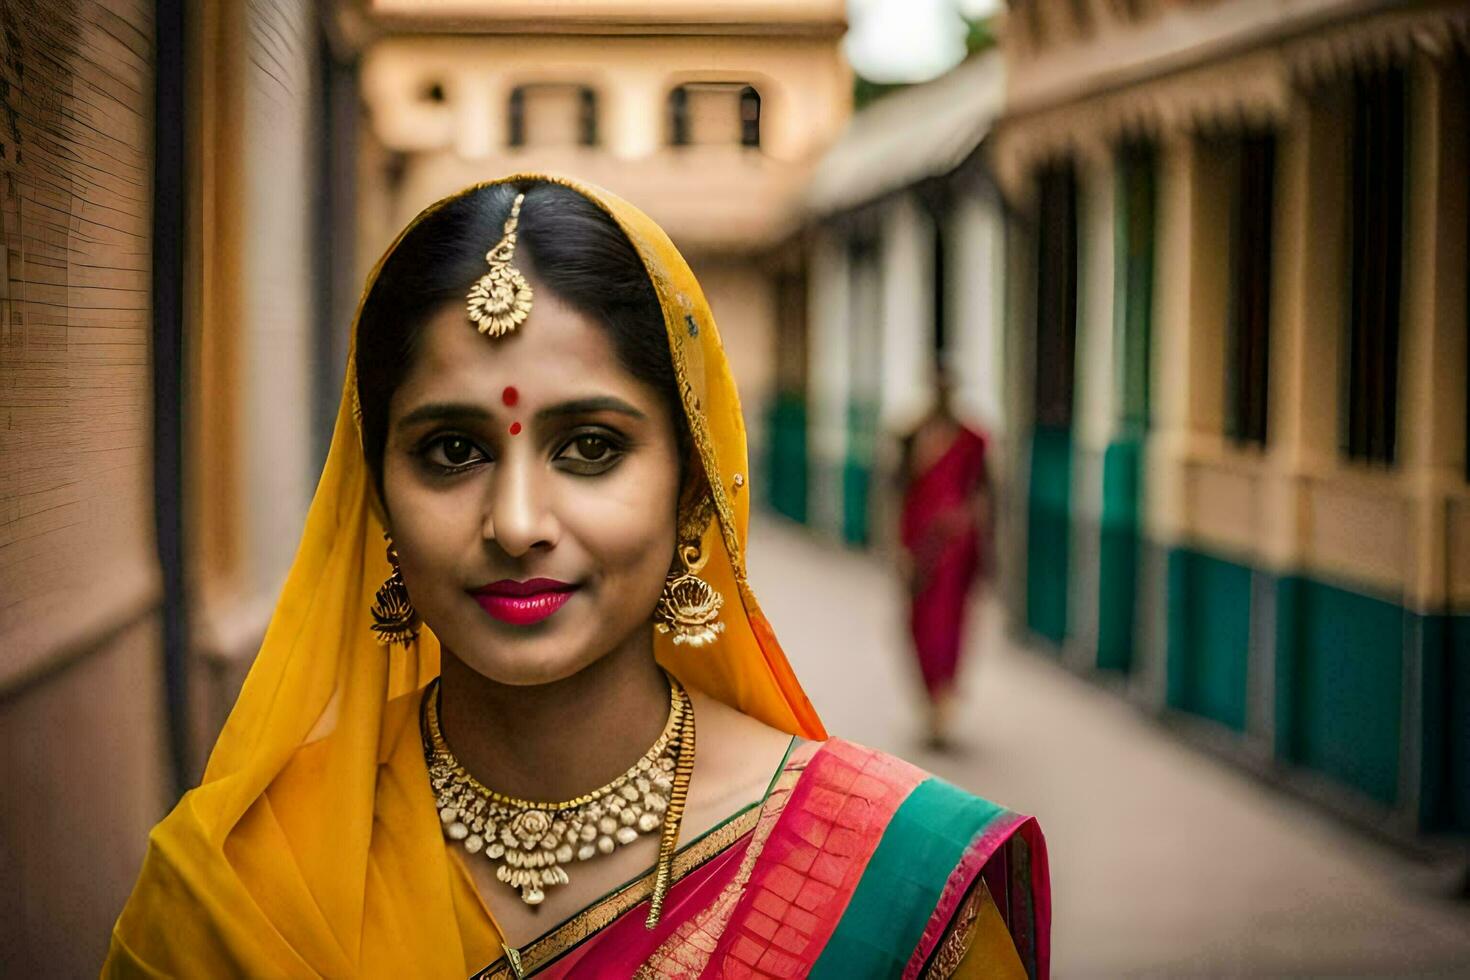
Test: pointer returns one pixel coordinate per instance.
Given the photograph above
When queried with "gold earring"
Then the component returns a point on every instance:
(394, 618)
(690, 607)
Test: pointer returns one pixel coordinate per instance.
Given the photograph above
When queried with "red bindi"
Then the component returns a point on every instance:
(510, 396)
(515, 428)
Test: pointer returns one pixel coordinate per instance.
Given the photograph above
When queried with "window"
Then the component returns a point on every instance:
(750, 117)
(679, 116)
(588, 121)
(1134, 278)
(553, 114)
(1253, 175)
(715, 113)
(1458, 132)
(1056, 294)
(1457, 97)
(516, 127)
(1376, 270)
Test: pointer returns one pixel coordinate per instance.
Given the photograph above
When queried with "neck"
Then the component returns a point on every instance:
(551, 742)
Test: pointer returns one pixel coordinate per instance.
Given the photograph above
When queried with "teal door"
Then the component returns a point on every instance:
(1049, 532)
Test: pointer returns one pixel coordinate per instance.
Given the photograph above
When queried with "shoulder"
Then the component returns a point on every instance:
(918, 851)
(736, 759)
(914, 798)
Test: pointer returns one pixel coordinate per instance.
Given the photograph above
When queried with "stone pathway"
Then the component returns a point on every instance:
(1165, 861)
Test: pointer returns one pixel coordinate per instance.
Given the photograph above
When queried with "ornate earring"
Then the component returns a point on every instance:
(690, 607)
(394, 618)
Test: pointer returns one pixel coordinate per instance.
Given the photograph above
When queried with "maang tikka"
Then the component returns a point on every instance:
(500, 300)
(394, 618)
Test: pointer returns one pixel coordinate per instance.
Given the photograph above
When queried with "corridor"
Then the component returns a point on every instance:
(1165, 861)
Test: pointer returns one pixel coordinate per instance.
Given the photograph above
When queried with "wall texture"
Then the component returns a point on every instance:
(83, 766)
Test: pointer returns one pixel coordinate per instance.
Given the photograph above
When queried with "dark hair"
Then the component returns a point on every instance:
(567, 242)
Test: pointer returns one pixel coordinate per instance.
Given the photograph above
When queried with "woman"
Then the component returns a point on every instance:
(548, 435)
(946, 514)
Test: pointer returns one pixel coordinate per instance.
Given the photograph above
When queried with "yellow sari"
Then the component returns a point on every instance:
(312, 846)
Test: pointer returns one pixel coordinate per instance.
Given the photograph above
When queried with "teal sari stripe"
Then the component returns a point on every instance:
(902, 883)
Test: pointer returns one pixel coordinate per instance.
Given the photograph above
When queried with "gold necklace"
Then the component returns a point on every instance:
(534, 841)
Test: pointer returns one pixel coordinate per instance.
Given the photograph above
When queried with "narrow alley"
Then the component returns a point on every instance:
(1165, 861)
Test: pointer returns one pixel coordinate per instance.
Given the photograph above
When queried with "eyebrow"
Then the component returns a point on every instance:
(446, 412)
(468, 411)
(586, 406)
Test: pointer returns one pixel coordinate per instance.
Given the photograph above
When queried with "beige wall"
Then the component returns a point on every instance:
(727, 198)
(486, 14)
(253, 290)
(83, 764)
(742, 297)
(84, 780)
(281, 124)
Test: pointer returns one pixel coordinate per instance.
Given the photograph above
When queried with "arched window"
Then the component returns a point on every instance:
(750, 116)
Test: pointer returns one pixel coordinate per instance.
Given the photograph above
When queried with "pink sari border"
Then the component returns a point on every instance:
(817, 853)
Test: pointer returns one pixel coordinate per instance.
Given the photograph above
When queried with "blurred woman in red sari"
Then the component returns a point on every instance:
(944, 529)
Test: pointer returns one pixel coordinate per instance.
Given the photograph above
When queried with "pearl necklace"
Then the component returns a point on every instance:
(533, 842)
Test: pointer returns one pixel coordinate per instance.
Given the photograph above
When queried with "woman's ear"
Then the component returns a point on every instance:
(696, 505)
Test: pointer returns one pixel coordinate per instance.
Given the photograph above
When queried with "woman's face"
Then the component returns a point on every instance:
(532, 488)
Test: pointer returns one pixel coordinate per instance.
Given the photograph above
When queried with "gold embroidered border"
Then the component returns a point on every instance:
(956, 943)
(694, 411)
(687, 951)
(597, 917)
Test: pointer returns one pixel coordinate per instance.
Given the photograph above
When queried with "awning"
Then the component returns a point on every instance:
(919, 132)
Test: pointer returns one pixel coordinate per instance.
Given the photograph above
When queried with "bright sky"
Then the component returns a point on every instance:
(909, 40)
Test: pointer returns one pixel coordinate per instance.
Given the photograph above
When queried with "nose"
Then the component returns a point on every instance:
(518, 515)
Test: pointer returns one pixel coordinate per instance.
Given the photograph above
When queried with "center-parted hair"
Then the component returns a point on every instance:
(569, 244)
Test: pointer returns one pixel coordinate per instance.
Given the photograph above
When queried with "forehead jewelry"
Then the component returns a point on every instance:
(500, 300)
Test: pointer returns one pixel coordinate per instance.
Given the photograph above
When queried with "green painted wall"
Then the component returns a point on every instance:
(788, 456)
(1340, 655)
(1049, 532)
(1118, 555)
(1208, 603)
(857, 472)
(1444, 787)
(1457, 723)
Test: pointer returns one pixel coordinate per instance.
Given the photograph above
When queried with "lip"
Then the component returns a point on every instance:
(523, 603)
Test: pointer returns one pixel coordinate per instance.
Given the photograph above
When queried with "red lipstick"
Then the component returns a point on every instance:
(523, 603)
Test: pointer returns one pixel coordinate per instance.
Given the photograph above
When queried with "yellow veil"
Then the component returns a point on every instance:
(312, 847)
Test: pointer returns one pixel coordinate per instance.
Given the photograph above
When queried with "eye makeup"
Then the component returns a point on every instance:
(446, 446)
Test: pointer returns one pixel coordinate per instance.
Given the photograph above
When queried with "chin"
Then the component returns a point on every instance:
(526, 660)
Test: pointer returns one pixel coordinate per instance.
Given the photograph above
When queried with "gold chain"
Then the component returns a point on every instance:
(440, 750)
(533, 841)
